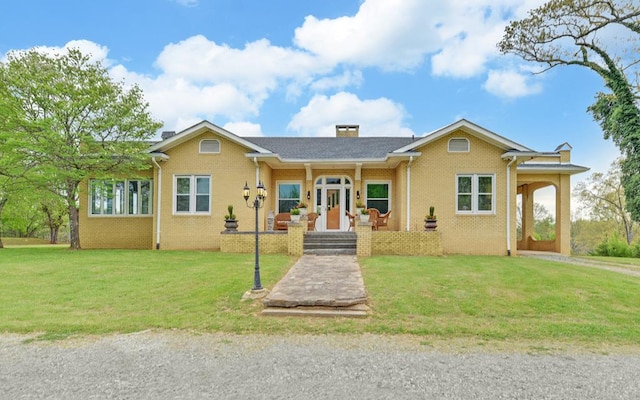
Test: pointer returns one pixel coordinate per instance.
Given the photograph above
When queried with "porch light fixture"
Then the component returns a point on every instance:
(256, 204)
(308, 195)
(358, 194)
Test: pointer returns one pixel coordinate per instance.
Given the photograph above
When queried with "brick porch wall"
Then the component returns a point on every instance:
(244, 242)
(406, 243)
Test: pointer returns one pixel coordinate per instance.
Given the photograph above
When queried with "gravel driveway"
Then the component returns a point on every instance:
(179, 365)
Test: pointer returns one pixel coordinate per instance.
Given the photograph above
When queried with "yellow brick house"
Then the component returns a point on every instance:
(471, 176)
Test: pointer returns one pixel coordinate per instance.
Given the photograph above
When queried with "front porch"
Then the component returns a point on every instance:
(368, 242)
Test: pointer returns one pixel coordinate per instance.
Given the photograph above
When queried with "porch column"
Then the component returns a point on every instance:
(527, 216)
(563, 215)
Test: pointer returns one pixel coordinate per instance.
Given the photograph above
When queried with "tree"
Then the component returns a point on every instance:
(76, 122)
(604, 36)
(603, 196)
(55, 215)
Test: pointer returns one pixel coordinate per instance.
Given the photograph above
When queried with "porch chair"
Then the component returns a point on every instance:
(311, 221)
(374, 215)
(282, 221)
(383, 220)
(352, 220)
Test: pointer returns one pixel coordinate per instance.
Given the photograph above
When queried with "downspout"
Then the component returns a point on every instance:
(509, 204)
(153, 159)
(255, 161)
(409, 194)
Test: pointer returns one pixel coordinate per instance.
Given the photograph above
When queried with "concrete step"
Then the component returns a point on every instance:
(330, 243)
(355, 311)
(330, 252)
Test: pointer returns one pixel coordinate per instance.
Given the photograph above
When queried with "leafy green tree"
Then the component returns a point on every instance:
(76, 122)
(602, 197)
(54, 214)
(604, 36)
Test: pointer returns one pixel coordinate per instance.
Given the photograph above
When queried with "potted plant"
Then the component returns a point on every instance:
(303, 208)
(295, 215)
(430, 220)
(359, 206)
(230, 221)
(364, 215)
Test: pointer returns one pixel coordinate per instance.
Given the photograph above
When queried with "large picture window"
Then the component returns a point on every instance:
(378, 196)
(192, 194)
(475, 194)
(288, 196)
(121, 197)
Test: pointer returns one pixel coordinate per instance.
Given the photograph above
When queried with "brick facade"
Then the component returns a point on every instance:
(425, 176)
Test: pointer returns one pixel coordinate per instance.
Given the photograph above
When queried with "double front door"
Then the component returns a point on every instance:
(333, 199)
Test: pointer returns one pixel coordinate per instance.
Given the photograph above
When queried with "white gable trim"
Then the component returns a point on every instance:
(470, 128)
(200, 128)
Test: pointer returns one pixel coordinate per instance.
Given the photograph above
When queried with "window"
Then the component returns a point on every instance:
(288, 196)
(210, 146)
(192, 194)
(378, 196)
(121, 197)
(458, 145)
(475, 194)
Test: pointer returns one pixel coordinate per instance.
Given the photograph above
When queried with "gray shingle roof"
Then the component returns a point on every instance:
(331, 148)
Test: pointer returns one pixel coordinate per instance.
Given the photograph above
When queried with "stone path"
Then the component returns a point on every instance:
(320, 286)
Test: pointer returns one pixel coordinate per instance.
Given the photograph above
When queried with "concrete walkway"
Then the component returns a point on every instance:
(320, 286)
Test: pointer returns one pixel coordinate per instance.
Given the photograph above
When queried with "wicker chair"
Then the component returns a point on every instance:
(383, 220)
(374, 215)
(282, 221)
(352, 220)
(311, 221)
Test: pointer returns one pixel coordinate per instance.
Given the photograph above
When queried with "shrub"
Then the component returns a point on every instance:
(613, 247)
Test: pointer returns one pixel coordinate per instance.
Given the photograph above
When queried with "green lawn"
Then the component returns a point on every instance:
(57, 292)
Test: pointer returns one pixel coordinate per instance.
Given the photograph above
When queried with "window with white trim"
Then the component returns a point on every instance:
(288, 196)
(211, 146)
(475, 193)
(192, 194)
(378, 196)
(458, 145)
(121, 197)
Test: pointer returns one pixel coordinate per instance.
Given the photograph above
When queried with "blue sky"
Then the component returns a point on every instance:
(291, 67)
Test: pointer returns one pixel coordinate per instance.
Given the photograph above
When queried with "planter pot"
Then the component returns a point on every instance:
(231, 225)
(364, 217)
(430, 224)
(295, 219)
(359, 210)
(303, 212)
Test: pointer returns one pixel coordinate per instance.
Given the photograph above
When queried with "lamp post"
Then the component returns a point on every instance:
(256, 204)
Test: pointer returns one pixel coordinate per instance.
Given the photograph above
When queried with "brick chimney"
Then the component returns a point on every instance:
(347, 130)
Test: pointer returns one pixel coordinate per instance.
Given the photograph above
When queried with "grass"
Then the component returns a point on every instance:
(55, 292)
(15, 242)
(631, 263)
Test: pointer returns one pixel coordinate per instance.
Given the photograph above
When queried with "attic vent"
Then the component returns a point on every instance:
(209, 146)
(458, 145)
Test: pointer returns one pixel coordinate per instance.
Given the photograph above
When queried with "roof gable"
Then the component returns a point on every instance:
(470, 128)
(198, 129)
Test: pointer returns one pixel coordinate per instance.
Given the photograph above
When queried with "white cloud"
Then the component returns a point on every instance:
(96, 52)
(379, 117)
(256, 68)
(511, 84)
(391, 35)
(460, 36)
(244, 128)
(346, 79)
